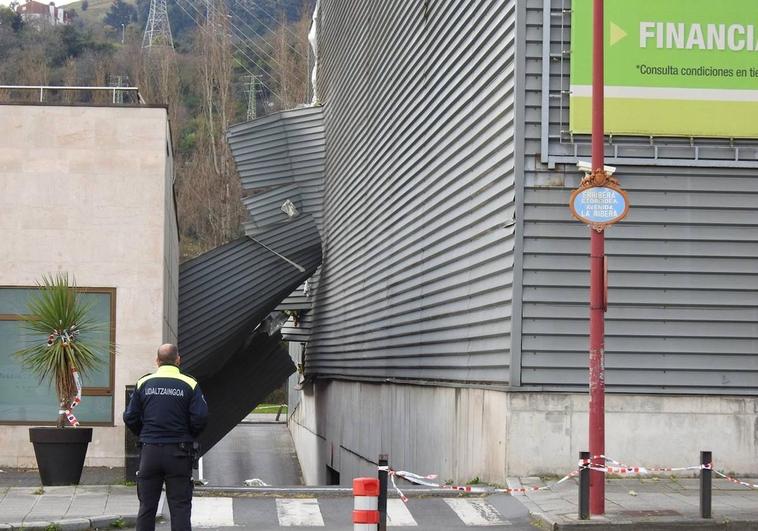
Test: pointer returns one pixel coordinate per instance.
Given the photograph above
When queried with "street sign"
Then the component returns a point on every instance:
(599, 201)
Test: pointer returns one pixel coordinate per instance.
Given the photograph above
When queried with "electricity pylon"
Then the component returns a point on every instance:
(157, 29)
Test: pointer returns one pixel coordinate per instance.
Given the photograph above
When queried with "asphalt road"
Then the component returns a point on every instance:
(335, 513)
(264, 450)
(259, 450)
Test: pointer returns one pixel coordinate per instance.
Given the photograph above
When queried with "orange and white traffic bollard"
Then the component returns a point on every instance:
(366, 504)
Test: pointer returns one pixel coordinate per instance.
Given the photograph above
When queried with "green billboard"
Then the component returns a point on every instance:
(672, 67)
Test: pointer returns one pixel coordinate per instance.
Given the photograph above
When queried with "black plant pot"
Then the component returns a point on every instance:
(60, 453)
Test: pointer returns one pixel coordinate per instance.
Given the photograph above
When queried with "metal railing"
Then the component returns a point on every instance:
(116, 92)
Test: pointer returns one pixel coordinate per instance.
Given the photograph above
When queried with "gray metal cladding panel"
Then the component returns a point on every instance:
(302, 297)
(683, 266)
(225, 293)
(276, 153)
(242, 383)
(296, 300)
(265, 208)
(301, 332)
(419, 191)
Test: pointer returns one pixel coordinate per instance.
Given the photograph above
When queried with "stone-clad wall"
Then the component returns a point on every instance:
(84, 190)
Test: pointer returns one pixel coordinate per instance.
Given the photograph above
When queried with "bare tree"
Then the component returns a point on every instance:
(101, 80)
(69, 80)
(33, 70)
(290, 69)
(210, 208)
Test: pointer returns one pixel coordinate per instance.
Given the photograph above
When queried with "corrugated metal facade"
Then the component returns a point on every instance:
(223, 296)
(242, 383)
(442, 128)
(225, 293)
(280, 157)
(419, 192)
(683, 280)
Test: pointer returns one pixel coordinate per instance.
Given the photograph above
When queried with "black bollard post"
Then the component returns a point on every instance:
(584, 486)
(131, 446)
(382, 502)
(706, 476)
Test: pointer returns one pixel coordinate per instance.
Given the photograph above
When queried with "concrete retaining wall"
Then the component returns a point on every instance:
(464, 433)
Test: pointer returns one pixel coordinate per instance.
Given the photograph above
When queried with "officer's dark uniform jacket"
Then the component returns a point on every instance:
(158, 409)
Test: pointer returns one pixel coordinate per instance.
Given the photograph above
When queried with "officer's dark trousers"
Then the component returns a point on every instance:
(172, 464)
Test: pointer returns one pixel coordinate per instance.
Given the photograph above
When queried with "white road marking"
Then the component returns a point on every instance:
(398, 513)
(299, 512)
(476, 512)
(212, 512)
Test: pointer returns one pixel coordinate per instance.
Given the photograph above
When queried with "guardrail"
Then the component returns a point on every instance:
(117, 93)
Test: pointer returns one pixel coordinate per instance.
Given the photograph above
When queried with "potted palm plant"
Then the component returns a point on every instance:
(65, 351)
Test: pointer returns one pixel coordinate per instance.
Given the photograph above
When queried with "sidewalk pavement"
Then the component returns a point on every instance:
(631, 504)
(645, 503)
(68, 508)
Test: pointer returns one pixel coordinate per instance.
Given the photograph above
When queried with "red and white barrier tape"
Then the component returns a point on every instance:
(68, 336)
(735, 480)
(623, 469)
(620, 468)
(642, 470)
(425, 481)
(77, 399)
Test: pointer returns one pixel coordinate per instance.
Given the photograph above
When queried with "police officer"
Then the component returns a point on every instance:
(167, 411)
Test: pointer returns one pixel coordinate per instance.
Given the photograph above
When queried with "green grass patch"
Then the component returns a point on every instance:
(96, 11)
(270, 408)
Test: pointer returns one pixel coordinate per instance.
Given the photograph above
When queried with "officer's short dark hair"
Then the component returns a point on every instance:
(168, 354)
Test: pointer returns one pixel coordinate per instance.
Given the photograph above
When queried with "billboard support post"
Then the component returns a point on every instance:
(597, 259)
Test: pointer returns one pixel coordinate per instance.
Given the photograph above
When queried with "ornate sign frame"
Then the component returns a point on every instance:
(599, 179)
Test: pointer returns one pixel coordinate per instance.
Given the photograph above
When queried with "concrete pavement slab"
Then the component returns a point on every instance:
(73, 524)
(68, 508)
(667, 503)
(33, 525)
(49, 507)
(107, 521)
(85, 506)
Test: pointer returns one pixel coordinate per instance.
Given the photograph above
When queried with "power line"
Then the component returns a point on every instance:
(255, 35)
(253, 43)
(240, 63)
(243, 37)
(199, 25)
(272, 17)
(242, 4)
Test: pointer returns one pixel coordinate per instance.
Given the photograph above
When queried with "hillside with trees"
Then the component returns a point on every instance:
(222, 52)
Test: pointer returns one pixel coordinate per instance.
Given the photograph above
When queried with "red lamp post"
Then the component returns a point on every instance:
(597, 270)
